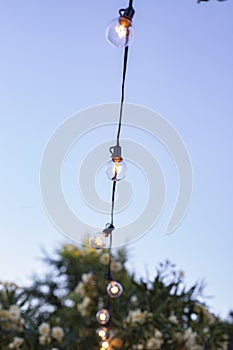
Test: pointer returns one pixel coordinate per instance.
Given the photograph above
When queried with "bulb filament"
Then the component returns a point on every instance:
(121, 31)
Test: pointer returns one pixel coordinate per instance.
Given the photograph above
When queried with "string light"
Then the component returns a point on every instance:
(114, 289)
(101, 240)
(103, 316)
(102, 332)
(119, 33)
(104, 345)
(116, 167)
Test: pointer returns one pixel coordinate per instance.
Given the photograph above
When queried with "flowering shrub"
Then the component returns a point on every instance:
(57, 312)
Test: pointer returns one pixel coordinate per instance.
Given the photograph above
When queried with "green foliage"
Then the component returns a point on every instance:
(58, 311)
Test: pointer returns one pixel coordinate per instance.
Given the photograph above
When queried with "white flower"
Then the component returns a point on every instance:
(190, 337)
(224, 345)
(173, 319)
(83, 306)
(177, 336)
(4, 315)
(134, 300)
(14, 312)
(154, 343)
(116, 266)
(104, 259)
(80, 289)
(137, 316)
(44, 339)
(87, 277)
(86, 282)
(17, 341)
(44, 328)
(57, 333)
(86, 301)
(138, 347)
(158, 334)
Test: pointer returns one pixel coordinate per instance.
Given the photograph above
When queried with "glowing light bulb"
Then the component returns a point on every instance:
(114, 289)
(120, 31)
(103, 316)
(102, 332)
(99, 240)
(116, 169)
(105, 345)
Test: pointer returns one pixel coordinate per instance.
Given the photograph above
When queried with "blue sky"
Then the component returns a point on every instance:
(55, 61)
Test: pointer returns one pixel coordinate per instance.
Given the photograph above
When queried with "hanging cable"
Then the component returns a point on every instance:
(113, 201)
(122, 93)
(126, 51)
(119, 128)
(130, 3)
(116, 168)
(118, 143)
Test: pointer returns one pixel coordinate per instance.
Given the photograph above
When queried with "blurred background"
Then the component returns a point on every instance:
(55, 61)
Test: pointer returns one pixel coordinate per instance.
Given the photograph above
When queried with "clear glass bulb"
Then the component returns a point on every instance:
(120, 32)
(103, 316)
(99, 240)
(114, 289)
(104, 345)
(116, 170)
(102, 332)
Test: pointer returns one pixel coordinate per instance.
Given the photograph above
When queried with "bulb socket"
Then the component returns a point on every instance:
(108, 230)
(127, 13)
(116, 153)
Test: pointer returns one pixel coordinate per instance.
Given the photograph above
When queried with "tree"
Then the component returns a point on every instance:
(58, 311)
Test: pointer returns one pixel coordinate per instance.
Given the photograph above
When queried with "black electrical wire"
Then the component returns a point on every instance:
(113, 201)
(109, 275)
(112, 223)
(110, 258)
(118, 142)
(114, 179)
(119, 126)
(122, 93)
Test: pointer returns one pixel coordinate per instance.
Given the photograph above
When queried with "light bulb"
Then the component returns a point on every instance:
(99, 240)
(120, 31)
(114, 289)
(104, 345)
(102, 332)
(103, 316)
(116, 169)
